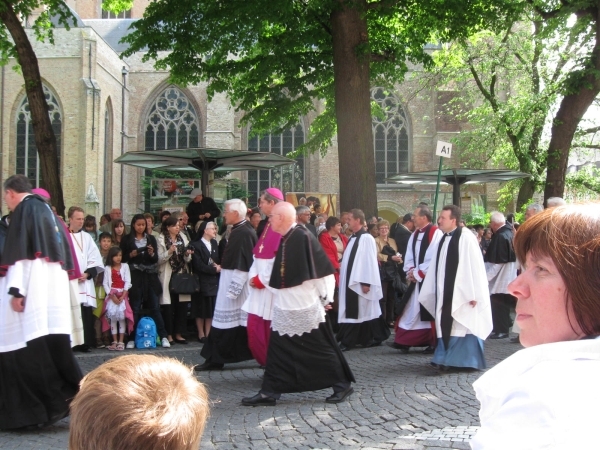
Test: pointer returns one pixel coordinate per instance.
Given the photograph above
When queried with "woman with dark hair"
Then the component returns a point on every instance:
(173, 257)
(89, 225)
(139, 251)
(205, 260)
(117, 227)
(334, 243)
(538, 396)
(104, 219)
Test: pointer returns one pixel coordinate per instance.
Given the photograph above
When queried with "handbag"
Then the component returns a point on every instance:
(185, 283)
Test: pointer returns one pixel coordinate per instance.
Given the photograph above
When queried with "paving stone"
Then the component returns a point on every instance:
(399, 403)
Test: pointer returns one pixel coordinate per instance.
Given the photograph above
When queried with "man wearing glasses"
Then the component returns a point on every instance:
(303, 218)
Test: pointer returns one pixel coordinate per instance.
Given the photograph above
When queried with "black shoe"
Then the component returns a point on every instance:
(374, 344)
(515, 340)
(498, 336)
(428, 351)
(344, 348)
(84, 348)
(259, 400)
(181, 341)
(208, 366)
(403, 349)
(393, 345)
(341, 396)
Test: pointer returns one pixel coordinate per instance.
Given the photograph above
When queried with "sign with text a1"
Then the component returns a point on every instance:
(443, 149)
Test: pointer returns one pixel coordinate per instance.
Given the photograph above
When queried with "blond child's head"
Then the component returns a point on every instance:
(139, 401)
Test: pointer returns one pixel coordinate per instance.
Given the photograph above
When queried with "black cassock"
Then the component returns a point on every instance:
(312, 360)
(37, 382)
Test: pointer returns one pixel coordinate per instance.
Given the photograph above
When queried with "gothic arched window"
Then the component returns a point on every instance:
(172, 122)
(28, 160)
(288, 178)
(390, 136)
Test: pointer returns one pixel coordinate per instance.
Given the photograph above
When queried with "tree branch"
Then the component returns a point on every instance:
(382, 4)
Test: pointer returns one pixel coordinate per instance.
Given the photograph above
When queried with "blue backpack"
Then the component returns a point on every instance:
(145, 333)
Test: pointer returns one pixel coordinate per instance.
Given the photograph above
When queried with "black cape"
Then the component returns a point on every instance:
(238, 251)
(34, 232)
(500, 250)
(300, 258)
(207, 205)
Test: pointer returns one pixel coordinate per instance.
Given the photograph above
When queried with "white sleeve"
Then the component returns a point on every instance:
(238, 280)
(107, 281)
(424, 266)
(163, 253)
(126, 275)
(409, 258)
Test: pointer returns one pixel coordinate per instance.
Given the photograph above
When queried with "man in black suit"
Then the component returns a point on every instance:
(402, 235)
(303, 218)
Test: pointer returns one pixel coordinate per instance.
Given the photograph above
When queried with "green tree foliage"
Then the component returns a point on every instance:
(277, 59)
(14, 43)
(581, 85)
(508, 82)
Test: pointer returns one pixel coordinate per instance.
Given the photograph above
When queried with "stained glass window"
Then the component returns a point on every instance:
(390, 136)
(288, 178)
(172, 122)
(28, 160)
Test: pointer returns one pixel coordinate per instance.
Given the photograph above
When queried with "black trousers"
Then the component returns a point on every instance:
(175, 315)
(501, 306)
(388, 300)
(88, 319)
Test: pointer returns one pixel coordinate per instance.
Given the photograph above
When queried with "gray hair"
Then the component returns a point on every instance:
(235, 204)
(555, 201)
(536, 207)
(302, 209)
(497, 217)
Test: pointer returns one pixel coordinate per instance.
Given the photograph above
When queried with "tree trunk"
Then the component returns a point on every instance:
(525, 193)
(564, 125)
(45, 140)
(353, 108)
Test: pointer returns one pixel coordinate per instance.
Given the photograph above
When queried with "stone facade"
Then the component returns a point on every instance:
(105, 102)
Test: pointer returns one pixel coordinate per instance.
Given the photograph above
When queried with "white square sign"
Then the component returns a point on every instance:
(443, 149)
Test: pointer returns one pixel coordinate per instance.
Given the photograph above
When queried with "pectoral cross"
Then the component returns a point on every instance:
(260, 248)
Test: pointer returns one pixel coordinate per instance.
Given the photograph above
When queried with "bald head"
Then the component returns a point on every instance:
(283, 216)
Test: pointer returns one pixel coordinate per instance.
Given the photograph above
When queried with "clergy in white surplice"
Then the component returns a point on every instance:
(90, 264)
(455, 292)
(416, 327)
(303, 355)
(228, 338)
(259, 304)
(39, 374)
(359, 313)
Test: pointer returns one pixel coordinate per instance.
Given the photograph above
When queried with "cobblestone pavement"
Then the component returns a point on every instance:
(400, 402)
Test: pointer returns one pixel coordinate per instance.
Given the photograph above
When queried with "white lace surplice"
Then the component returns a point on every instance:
(46, 289)
(300, 309)
(260, 301)
(232, 293)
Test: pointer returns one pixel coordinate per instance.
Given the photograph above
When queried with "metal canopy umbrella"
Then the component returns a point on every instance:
(204, 159)
(458, 177)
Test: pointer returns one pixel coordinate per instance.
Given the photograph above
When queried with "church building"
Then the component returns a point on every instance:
(102, 106)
